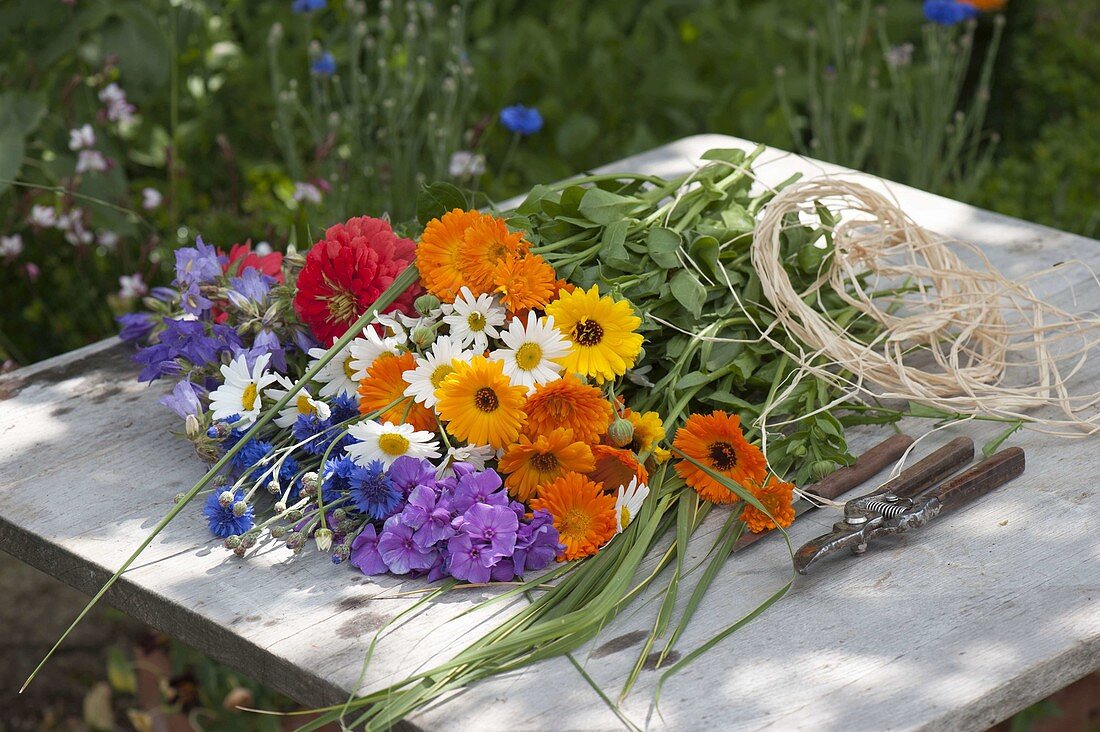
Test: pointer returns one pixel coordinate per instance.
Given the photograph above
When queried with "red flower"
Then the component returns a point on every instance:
(346, 272)
(244, 258)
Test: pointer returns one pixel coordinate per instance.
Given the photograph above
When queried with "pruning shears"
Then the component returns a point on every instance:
(913, 498)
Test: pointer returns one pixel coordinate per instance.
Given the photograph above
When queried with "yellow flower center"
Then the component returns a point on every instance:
(476, 322)
(305, 406)
(624, 517)
(440, 373)
(486, 399)
(342, 306)
(248, 396)
(575, 522)
(393, 444)
(348, 370)
(587, 333)
(528, 356)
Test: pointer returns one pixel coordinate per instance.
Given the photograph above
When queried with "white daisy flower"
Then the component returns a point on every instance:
(337, 376)
(475, 455)
(387, 442)
(629, 503)
(366, 349)
(302, 403)
(530, 357)
(243, 390)
(402, 326)
(432, 368)
(474, 320)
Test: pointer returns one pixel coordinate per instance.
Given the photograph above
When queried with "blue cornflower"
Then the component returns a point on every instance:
(336, 477)
(948, 12)
(324, 65)
(308, 6)
(372, 491)
(197, 264)
(344, 407)
(135, 326)
(288, 470)
(223, 522)
(250, 454)
(521, 120)
(305, 427)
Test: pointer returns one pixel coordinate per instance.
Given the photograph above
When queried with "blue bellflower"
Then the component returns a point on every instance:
(521, 120)
(184, 399)
(948, 12)
(135, 326)
(197, 264)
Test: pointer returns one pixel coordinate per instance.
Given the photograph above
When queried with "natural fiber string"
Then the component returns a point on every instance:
(965, 340)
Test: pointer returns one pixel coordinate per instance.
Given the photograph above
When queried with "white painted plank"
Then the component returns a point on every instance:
(955, 627)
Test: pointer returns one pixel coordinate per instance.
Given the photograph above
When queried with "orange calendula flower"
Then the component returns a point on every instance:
(524, 283)
(715, 440)
(986, 6)
(533, 463)
(601, 330)
(486, 243)
(384, 385)
(583, 514)
(439, 253)
(776, 496)
(648, 429)
(570, 403)
(479, 403)
(615, 467)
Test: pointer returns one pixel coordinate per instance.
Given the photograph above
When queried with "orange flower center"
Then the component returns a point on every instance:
(544, 462)
(723, 455)
(486, 399)
(575, 522)
(587, 333)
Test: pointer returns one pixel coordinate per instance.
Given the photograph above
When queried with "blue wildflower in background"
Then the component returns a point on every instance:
(308, 6)
(521, 120)
(223, 520)
(948, 12)
(324, 65)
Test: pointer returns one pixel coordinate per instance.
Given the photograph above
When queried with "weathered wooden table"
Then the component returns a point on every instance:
(955, 627)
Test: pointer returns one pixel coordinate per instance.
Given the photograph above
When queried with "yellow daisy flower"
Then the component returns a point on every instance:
(601, 330)
(480, 405)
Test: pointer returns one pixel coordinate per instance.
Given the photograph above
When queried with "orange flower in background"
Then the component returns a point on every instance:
(479, 403)
(648, 429)
(384, 384)
(776, 496)
(440, 250)
(986, 6)
(486, 243)
(568, 403)
(532, 463)
(563, 286)
(715, 440)
(615, 467)
(583, 514)
(524, 282)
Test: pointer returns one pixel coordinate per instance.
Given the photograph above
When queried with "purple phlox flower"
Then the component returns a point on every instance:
(493, 525)
(372, 491)
(521, 120)
(222, 520)
(409, 472)
(184, 399)
(156, 361)
(307, 426)
(308, 6)
(400, 551)
(426, 513)
(188, 339)
(252, 286)
(364, 552)
(469, 559)
(537, 543)
(438, 569)
(480, 487)
(197, 264)
(324, 65)
(948, 12)
(503, 571)
(135, 326)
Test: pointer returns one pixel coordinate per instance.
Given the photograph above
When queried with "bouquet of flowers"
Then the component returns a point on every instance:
(470, 430)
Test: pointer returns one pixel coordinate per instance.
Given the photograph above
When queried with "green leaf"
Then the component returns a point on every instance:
(687, 290)
(435, 199)
(120, 672)
(605, 207)
(140, 44)
(704, 251)
(12, 148)
(738, 219)
(663, 245)
(725, 155)
(576, 134)
(533, 203)
(692, 380)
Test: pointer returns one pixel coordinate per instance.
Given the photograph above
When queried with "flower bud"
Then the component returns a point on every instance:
(621, 432)
(423, 337)
(295, 540)
(339, 515)
(273, 488)
(237, 697)
(310, 480)
(232, 541)
(239, 508)
(279, 532)
(293, 515)
(192, 426)
(323, 537)
(280, 507)
(341, 552)
(249, 540)
(239, 551)
(226, 499)
(821, 468)
(426, 303)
